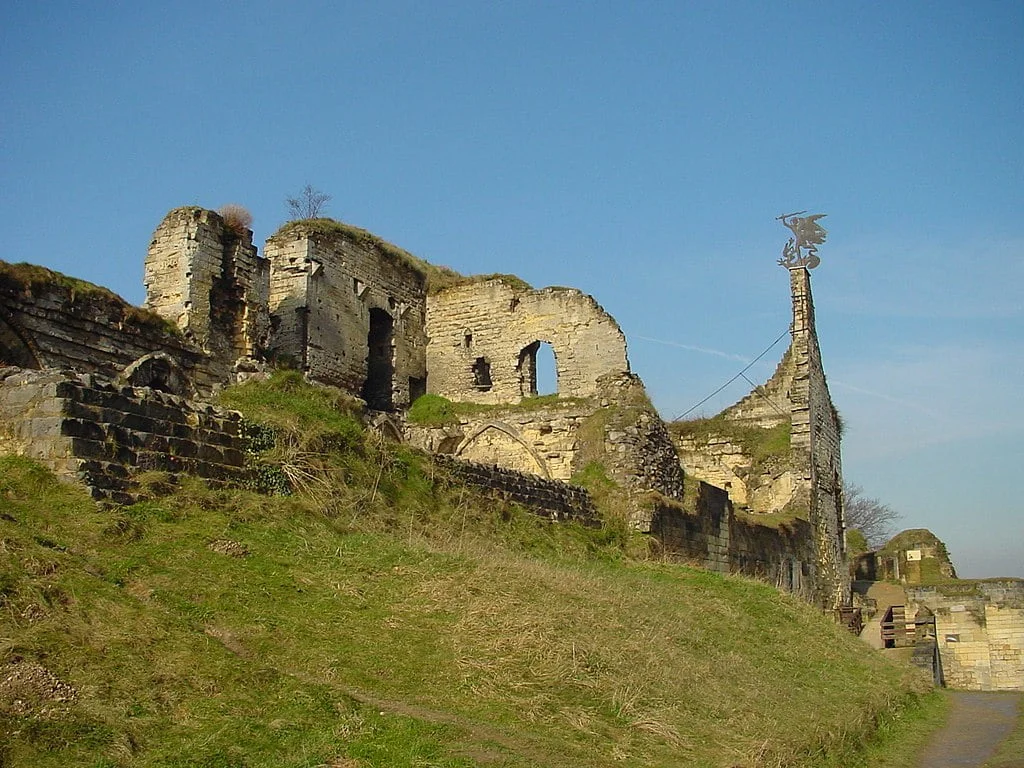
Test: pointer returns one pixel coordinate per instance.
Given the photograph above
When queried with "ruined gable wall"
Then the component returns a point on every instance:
(323, 288)
(61, 323)
(768, 405)
(208, 279)
(496, 322)
(810, 481)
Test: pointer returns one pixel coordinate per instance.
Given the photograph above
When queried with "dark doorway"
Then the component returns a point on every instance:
(14, 350)
(380, 362)
(482, 374)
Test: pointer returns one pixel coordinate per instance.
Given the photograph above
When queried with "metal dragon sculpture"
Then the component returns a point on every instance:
(801, 250)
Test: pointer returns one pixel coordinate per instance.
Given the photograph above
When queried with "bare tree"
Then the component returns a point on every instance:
(870, 516)
(308, 204)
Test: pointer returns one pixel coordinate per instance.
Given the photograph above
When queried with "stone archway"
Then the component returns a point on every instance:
(16, 347)
(497, 443)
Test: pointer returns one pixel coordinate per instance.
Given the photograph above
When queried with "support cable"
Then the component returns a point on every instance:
(738, 375)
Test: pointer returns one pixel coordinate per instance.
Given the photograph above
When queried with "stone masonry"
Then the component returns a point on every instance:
(355, 312)
(206, 278)
(810, 482)
(979, 626)
(350, 310)
(48, 321)
(484, 339)
(99, 432)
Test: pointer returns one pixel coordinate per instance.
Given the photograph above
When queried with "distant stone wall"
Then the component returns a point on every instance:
(979, 626)
(560, 502)
(47, 321)
(484, 340)
(93, 431)
(349, 311)
(717, 538)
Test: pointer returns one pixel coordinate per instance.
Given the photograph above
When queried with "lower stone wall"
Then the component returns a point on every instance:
(88, 429)
(719, 539)
(979, 626)
(560, 502)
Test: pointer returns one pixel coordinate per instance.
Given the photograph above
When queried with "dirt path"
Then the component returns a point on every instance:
(977, 723)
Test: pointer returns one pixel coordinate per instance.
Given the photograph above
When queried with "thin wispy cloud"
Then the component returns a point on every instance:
(692, 348)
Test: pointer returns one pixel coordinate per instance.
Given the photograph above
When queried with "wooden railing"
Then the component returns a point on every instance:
(897, 632)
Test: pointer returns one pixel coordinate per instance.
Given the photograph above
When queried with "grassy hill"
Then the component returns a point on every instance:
(379, 616)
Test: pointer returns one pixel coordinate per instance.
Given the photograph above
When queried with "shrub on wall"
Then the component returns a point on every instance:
(236, 217)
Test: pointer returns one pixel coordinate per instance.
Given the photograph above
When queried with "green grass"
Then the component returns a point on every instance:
(403, 621)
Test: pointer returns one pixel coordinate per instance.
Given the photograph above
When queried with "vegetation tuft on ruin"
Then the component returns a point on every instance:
(32, 279)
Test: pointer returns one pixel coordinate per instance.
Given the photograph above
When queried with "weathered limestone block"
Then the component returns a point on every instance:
(94, 431)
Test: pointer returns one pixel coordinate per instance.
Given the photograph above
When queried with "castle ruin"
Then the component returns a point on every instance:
(97, 388)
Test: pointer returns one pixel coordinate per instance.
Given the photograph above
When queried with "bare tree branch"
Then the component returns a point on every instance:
(873, 518)
(308, 204)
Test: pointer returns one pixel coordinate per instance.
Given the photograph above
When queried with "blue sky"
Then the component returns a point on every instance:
(638, 151)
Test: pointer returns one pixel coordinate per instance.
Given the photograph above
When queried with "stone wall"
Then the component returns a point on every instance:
(715, 537)
(560, 502)
(205, 277)
(350, 310)
(543, 441)
(807, 482)
(556, 439)
(50, 321)
(762, 487)
(92, 430)
(979, 626)
(485, 336)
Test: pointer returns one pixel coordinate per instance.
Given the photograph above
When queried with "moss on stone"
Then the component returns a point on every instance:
(435, 277)
(768, 448)
(33, 279)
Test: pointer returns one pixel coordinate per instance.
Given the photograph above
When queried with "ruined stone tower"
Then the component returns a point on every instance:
(206, 277)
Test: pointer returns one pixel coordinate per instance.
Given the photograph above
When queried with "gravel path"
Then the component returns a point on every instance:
(977, 723)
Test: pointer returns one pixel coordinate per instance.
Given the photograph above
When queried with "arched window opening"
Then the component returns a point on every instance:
(538, 370)
(482, 374)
